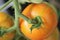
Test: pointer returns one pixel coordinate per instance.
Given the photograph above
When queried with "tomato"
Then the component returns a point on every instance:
(48, 16)
(5, 23)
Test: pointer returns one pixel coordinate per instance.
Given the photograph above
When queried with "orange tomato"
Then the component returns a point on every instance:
(5, 23)
(48, 16)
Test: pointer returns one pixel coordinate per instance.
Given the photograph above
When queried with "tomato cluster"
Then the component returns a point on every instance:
(49, 22)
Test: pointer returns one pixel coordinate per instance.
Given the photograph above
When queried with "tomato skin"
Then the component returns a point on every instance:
(5, 20)
(53, 36)
(5, 23)
(48, 16)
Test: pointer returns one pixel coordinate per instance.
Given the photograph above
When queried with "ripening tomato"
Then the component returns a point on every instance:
(5, 23)
(48, 16)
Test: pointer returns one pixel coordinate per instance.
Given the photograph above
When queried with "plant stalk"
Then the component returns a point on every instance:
(7, 3)
(17, 15)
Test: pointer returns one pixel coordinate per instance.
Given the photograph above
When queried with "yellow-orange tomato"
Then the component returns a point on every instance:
(48, 16)
(5, 23)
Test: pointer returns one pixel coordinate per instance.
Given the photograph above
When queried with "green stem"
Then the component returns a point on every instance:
(7, 3)
(25, 18)
(17, 15)
(20, 14)
(17, 11)
(11, 29)
(16, 5)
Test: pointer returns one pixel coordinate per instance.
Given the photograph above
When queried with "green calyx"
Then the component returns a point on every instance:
(36, 23)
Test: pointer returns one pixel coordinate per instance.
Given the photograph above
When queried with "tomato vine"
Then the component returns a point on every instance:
(18, 15)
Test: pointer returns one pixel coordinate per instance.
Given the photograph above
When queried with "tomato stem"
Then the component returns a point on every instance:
(25, 18)
(7, 3)
(37, 23)
(17, 15)
(16, 23)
